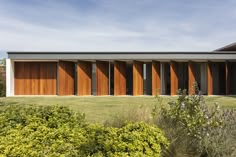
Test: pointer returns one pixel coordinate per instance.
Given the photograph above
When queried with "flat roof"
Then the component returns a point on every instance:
(122, 55)
(116, 52)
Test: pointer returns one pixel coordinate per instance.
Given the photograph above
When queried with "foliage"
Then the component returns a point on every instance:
(2, 87)
(133, 139)
(2, 80)
(191, 113)
(3, 62)
(58, 131)
(186, 122)
(222, 141)
(40, 131)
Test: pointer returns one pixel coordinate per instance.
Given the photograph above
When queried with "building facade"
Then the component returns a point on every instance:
(121, 73)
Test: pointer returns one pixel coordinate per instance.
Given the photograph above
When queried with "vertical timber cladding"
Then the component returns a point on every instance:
(191, 77)
(209, 79)
(19, 80)
(35, 78)
(84, 76)
(66, 78)
(119, 78)
(173, 78)
(102, 78)
(137, 78)
(156, 80)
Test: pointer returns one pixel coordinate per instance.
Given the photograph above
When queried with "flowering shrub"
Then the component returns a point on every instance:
(222, 141)
(191, 112)
(191, 127)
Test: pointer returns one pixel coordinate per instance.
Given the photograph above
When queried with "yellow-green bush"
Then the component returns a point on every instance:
(57, 131)
(133, 139)
(40, 131)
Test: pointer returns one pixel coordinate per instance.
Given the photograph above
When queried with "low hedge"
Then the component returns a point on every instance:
(58, 131)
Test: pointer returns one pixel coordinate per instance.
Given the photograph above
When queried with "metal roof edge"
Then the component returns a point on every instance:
(121, 52)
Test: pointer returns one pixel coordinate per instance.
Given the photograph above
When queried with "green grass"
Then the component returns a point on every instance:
(100, 109)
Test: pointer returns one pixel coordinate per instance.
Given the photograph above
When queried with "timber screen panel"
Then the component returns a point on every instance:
(137, 78)
(156, 79)
(35, 78)
(173, 78)
(102, 78)
(66, 78)
(119, 78)
(84, 76)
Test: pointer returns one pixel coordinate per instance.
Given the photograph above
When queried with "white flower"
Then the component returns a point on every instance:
(182, 106)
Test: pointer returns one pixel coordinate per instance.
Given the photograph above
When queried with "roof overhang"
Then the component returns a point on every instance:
(215, 55)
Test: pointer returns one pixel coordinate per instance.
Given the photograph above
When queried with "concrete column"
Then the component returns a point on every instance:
(93, 77)
(9, 77)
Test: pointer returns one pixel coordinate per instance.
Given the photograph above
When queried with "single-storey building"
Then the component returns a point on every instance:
(121, 73)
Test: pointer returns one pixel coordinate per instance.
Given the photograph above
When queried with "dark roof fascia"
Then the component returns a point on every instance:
(123, 52)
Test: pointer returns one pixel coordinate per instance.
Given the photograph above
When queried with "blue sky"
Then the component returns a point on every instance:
(116, 25)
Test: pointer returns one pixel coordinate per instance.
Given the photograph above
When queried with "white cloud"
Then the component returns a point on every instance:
(113, 26)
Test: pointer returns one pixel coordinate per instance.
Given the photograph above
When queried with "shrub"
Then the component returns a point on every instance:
(40, 131)
(222, 141)
(133, 139)
(2, 88)
(58, 131)
(3, 78)
(186, 121)
(191, 113)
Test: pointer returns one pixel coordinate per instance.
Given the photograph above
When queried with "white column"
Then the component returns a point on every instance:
(9, 77)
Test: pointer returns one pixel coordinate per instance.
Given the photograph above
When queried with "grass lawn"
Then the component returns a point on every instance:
(99, 109)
